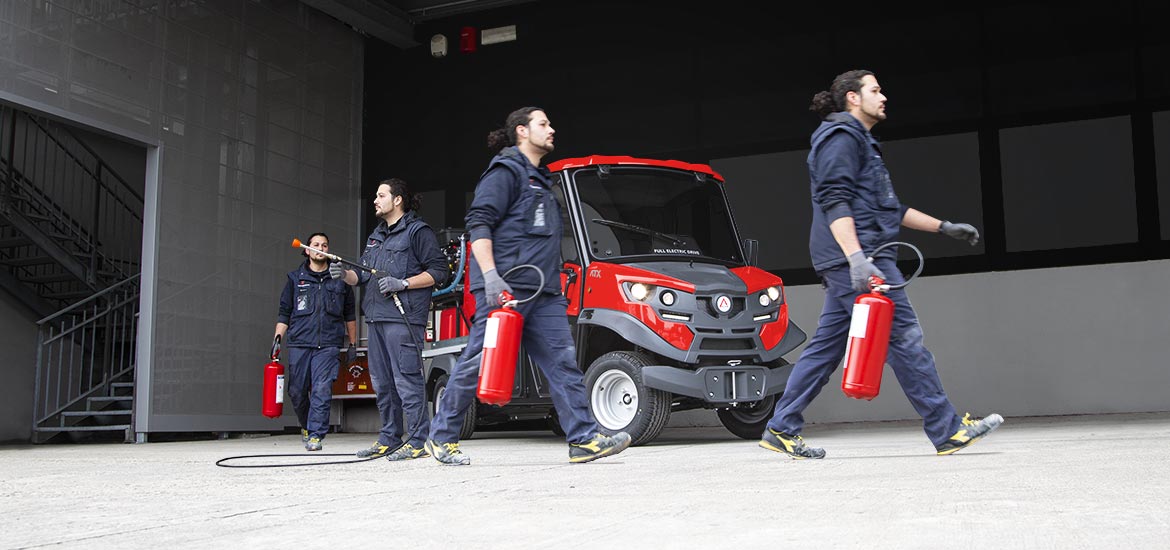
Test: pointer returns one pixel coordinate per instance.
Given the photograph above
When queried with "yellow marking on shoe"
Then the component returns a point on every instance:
(772, 447)
(593, 446)
(961, 436)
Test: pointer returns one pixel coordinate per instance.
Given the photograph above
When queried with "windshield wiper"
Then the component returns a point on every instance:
(675, 240)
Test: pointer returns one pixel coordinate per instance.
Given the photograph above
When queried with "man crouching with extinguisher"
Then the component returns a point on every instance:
(514, 220)
(855, 210)
(313, 308)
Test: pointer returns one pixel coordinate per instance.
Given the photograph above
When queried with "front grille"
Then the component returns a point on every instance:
(726, 344)
(708, 302)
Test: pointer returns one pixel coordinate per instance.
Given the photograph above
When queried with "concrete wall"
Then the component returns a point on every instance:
(18, 337)
(254, 110)
(1071, 340)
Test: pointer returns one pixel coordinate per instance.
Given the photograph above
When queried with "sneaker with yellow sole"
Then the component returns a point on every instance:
(599, 447)
(791, 445)
(447, 453)
(374, 451)
(407, 452)
(972, 430)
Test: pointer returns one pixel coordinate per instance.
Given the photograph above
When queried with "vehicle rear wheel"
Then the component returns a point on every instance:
(747, 421)
(468, 418)
(621, 402)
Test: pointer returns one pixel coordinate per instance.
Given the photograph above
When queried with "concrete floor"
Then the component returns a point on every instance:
(1055, 482)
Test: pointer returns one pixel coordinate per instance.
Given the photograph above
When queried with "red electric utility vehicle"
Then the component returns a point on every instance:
(667, 310)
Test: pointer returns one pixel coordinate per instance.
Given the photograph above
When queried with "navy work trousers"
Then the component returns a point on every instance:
(396, 372)
(912, 364)
(311, 373)
(550, 345)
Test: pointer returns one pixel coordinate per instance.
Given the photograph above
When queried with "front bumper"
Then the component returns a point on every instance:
(718, 384)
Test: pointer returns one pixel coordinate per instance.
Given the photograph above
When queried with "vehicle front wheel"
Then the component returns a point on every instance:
(621, 402)
(748, 421)
(468, 418)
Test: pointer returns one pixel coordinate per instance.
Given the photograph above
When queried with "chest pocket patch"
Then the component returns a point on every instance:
(538, 213)
(303, 303)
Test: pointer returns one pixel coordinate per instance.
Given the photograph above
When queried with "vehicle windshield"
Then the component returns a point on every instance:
(644, 211)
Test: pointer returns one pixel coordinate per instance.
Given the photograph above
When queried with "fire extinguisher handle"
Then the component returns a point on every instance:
(876, 284)
(276, 348)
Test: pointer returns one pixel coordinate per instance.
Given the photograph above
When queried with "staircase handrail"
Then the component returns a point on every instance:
(93, 297)
(104, 164)
(83, 166)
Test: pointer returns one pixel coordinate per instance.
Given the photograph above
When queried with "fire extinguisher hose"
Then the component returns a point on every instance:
(227, 462)
(514, 303)
(921, 262)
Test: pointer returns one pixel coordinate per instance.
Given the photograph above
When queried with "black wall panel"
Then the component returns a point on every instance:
(733, 79)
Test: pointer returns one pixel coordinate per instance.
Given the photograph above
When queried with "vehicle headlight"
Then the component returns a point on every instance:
(640, 291)
(765, 300)
(667, 297)
(773, 293)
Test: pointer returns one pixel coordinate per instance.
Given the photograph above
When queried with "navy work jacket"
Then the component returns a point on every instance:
(402, 250)
(849, 179)
(315, 307)
(515, 207)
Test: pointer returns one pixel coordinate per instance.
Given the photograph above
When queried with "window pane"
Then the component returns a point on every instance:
(770, 201)
(654, 212)
(1162, 156)
(1068, 185)
(939, 176)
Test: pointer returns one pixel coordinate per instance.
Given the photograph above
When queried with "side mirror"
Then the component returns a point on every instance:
(751, 252)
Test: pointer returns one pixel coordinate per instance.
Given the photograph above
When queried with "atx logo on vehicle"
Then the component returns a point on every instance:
(723, 303)
(595, 273)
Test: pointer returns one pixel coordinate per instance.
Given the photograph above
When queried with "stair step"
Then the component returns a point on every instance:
(54, 278)
(70, 295)
(10, 242)
(122, 385)
(112, 398)
(33, 260)
(95, 413)
(110, 428)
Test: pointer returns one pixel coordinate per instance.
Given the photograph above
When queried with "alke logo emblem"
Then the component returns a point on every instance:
(723, 303)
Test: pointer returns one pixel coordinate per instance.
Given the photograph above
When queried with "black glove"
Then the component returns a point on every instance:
(860, 270)
(493, 286)
(350, 354)
(961, 231)
(390, 284)
(336, 271)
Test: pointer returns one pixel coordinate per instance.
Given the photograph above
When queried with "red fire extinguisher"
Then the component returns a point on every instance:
(869, 335)
(273, 400)
(501, 347)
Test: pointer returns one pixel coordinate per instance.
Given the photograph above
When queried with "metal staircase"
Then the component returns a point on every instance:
(70, 243)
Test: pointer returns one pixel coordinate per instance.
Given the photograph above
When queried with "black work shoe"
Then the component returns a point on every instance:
(314, 444)
(375, 450)
(971, 431)
(407, 452)
(447, 453)
(600, 446)
(791, 445)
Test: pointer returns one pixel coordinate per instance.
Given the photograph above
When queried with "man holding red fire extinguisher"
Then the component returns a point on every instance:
(316, 312)
(855, 210)
(514, 219)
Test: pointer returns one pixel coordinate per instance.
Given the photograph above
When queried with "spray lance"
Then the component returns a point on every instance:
(296, 243)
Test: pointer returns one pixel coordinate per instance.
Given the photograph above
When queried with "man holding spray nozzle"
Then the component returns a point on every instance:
(406, 254)
(313, 310)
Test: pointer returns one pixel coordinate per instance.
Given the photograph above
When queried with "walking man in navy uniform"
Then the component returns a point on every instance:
(316, 314)
(514, 219)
